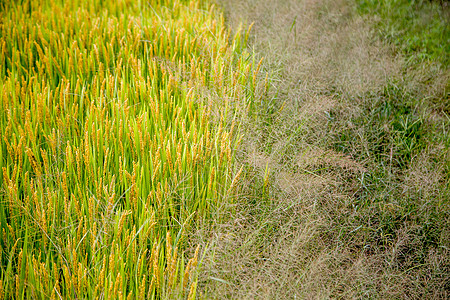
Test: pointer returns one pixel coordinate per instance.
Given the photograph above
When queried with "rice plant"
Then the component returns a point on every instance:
(118, 135)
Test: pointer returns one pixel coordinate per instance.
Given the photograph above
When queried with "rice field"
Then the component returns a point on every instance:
(118, 126)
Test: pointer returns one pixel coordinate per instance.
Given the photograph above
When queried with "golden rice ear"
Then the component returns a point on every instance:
(112, 141)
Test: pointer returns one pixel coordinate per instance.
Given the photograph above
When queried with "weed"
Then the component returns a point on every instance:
(420, 28)
(346, 188)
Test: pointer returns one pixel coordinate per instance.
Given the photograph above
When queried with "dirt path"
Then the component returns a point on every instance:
(297, 231)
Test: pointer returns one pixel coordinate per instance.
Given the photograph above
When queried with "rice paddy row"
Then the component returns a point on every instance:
(117, 136)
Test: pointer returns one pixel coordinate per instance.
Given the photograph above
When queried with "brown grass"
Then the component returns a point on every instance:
(303, 238)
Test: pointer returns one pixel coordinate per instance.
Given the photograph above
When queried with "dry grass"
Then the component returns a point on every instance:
(304, 226)
(316, 45)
